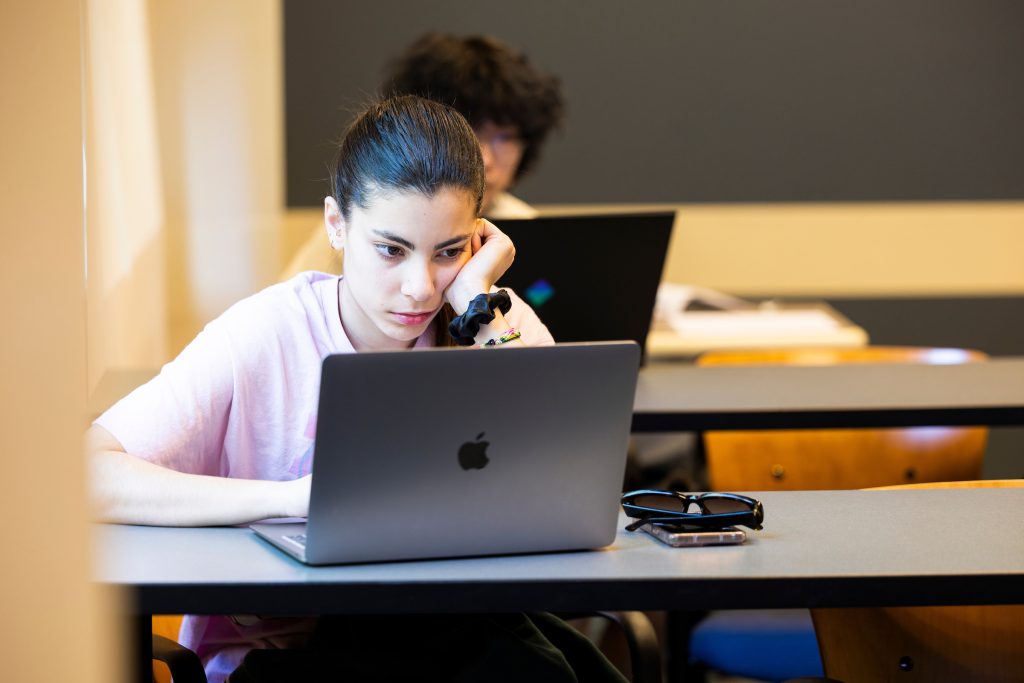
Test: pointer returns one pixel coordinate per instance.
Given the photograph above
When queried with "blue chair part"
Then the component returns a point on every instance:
(768, 645)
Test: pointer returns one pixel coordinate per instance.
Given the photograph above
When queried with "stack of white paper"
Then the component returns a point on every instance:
(757, 323)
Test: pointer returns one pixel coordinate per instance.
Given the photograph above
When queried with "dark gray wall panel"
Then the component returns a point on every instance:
(726, 100)
(994, 325)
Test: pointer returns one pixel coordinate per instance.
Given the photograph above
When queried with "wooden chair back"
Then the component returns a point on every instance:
(841, 458)
(934, 644)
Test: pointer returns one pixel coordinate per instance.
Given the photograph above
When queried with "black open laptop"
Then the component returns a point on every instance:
(590, 278)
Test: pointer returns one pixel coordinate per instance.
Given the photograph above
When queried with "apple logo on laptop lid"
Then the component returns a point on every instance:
(473, 454)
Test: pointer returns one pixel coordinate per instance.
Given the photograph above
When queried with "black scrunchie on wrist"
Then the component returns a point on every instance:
(464, 328)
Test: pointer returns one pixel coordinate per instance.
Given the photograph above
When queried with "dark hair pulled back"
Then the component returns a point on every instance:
(406, 144)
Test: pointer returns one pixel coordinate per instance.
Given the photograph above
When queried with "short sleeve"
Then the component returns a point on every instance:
(179, 418)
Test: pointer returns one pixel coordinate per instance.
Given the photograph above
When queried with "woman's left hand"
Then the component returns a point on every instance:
(493, 253)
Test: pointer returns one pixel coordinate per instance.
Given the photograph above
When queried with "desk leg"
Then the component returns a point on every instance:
(678, 628)
(141, 649)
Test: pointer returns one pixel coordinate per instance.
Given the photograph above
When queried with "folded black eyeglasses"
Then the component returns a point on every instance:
(673, 509)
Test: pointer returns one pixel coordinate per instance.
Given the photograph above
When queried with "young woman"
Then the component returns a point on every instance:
(224, 433)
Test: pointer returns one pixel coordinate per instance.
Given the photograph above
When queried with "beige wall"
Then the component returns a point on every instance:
(185, 163)
(127, 311)
(55, 625)
(219, 106)
(925, 249)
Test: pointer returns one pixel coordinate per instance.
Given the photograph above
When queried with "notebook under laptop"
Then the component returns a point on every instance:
(590, 278)
(455, 452)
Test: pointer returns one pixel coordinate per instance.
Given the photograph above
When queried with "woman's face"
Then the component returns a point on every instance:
(401, 254)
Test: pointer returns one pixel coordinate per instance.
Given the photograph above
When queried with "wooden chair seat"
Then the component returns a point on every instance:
(841, 458)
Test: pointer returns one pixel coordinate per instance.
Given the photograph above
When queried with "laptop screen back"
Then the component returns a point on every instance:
(590, 278)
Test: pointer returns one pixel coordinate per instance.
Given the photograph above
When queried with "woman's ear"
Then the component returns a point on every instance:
(334, 222)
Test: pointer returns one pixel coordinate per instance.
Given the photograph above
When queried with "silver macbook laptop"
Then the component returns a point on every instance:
(449, 452)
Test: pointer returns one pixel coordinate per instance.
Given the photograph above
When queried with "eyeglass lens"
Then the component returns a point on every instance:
(718, 506)
(713, 504)
(667, 503)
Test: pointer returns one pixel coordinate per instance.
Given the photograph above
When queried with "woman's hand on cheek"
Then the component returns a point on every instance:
(493, 253)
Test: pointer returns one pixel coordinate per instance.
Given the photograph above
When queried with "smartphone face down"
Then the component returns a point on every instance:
(682, 539)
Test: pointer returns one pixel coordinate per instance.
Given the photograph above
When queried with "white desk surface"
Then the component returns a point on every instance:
(818, 549)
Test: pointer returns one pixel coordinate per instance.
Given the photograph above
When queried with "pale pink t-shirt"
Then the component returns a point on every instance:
(240, 401)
